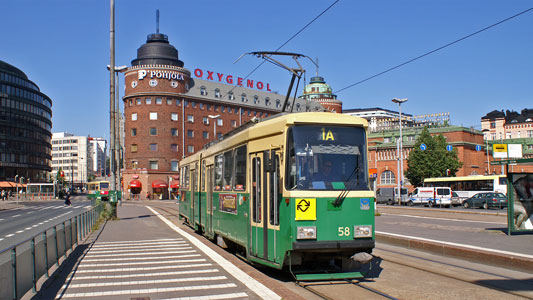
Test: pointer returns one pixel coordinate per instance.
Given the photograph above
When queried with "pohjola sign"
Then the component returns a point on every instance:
(220, 77)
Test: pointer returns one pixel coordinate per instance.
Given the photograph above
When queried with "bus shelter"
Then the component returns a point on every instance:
(519, 197)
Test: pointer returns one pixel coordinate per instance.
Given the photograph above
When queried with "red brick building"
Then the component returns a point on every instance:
(171, 112)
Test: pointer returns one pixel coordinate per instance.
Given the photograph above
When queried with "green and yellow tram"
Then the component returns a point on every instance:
(290, 192)
(98, 190)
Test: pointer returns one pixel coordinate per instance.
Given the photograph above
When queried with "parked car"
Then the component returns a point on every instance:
(486, 200)
(456, 200)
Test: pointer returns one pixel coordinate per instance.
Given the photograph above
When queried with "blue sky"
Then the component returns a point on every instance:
(63, 46)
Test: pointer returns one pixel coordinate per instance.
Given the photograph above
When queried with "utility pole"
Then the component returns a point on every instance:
(112, 160)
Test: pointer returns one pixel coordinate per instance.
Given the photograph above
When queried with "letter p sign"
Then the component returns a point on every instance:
(142, 74)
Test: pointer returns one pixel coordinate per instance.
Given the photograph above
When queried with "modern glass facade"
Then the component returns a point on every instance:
(25, 127)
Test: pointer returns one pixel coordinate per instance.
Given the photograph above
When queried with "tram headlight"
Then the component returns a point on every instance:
(306, 232)
(362, 231)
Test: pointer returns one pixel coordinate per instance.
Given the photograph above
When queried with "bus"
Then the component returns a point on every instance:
(98, 190)
(288, 192)
(468, 186)
(40, 191)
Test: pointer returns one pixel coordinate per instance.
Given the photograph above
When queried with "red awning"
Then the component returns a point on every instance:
(175, 184)
(159, 184)
(135, 184)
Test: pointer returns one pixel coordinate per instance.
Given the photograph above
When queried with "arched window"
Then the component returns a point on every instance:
(243, 98)
(256, 100)
(217, 93)
(231, 96)
(203, 91)
(278, 103)
(387, 177)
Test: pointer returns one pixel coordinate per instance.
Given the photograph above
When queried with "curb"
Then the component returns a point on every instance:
(486, 213)
(473, 255)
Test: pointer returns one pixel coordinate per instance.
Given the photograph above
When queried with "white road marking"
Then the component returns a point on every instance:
(20, 231)
(458, 245)
(147, 245)
(445, 219)
(145, 291)
(141, 251)
(1, 239)
(145, 269)
(15, 216)
(27, 228)
(142, 274)
(240, 275)
(142, 263)
(9, 235)
(138, 282)
(135, 242)
(130, 258)
(212, 297)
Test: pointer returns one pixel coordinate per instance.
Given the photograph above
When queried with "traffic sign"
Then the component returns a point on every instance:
(449, 147)
(305, 209)
(478, 147)
(423, 147)
(499, 150)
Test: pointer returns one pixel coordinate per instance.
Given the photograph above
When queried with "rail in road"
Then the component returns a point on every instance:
(480, 237)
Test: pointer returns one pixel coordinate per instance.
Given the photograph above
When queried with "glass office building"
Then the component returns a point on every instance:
(25, 127)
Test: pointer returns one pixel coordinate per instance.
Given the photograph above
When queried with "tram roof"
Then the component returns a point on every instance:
(273, 125)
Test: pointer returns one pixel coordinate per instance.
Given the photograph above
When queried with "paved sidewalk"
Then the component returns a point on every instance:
(142, 257)
(5, 205)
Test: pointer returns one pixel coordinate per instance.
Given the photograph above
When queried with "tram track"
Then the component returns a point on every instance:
(347, 285)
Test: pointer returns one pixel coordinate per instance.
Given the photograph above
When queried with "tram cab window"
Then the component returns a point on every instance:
(326, 158)
(240, 169)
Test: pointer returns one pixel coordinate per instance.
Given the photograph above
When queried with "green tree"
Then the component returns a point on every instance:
(435, 161)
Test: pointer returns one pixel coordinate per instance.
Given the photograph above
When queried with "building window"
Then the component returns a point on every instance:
(530, 133)
(153, 147)
(154, 165)
(208, 106)
(174, 165)
(169, 101)
(174, 116)
(201, 106)
(190, 133)
(178, 102)
(134, 116)
(190, 149)
(217, 93)
(174, 131)
(205, 134)
(174, 147)
(387, 177)
(190, 118)
(158, 101)
(507, 135)
(153, 116)
(148, 100)
(203, 91)
(193, 104)
(219, 135)
(278, 103)
(256, 100)
(138, 101)
(153, 131)
(219, 122)
(134, 148)
(205, 120)
(243, 98)
(134, 132)
(233, 123)
(231, 96)
(130, 102)
(267, 101)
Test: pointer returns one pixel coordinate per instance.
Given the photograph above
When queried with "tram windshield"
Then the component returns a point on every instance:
(326, 158)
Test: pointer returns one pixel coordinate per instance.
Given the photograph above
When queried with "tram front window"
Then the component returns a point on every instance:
(326, 158)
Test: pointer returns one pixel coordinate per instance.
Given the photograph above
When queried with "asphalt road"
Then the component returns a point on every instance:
(487, 231)
(17, 225)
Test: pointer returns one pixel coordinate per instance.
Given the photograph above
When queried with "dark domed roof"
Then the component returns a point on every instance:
(157, 51)
(9, 68)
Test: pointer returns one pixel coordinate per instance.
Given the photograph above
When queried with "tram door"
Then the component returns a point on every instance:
(264, 206)
(209, 199)
(195, 199)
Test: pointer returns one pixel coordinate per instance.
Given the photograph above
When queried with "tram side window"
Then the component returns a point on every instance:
(195, 178)
(228, 170)
(187, 177)
(256, 190)
(240, 169)
(203, 176)
(274, 194)
(291, 176)
(219, 159)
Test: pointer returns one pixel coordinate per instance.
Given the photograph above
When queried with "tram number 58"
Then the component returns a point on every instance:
(344, 231)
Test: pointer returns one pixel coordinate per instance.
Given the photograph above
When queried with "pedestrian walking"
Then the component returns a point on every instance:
(3, 195)
(67, 199)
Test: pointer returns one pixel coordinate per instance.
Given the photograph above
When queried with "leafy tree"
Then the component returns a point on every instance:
(433, 162)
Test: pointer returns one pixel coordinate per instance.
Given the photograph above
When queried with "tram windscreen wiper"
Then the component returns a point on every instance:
(347, 186)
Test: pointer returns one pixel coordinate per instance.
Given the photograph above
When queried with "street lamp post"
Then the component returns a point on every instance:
(400, 183)
(16, 184)
(487, 147)
(214, 117)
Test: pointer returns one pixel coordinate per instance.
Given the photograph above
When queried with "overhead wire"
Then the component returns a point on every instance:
(433, 51)
(290, 39)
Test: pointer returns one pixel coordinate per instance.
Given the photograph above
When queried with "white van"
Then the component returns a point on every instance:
(431, 196)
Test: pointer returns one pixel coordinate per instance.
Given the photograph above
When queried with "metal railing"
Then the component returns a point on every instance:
(23, 264)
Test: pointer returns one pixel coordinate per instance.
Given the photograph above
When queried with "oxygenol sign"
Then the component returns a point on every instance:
(159, 74)
(199, 73)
